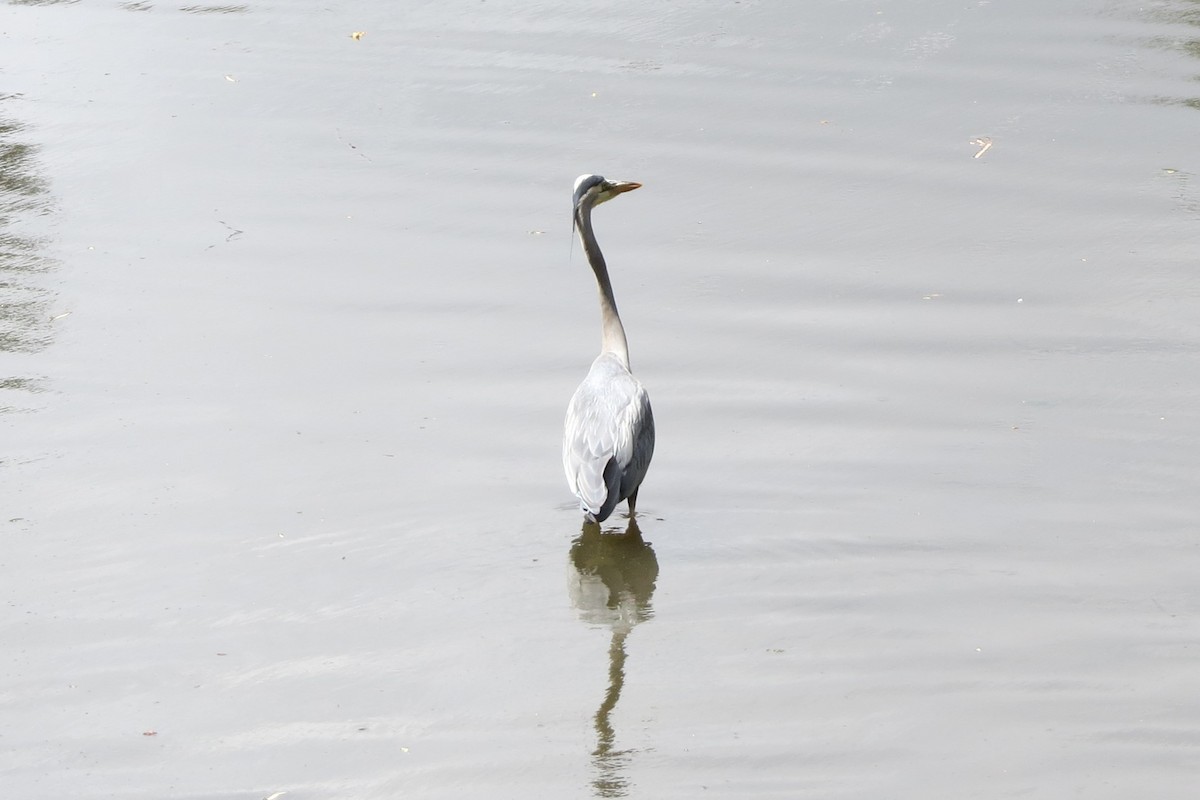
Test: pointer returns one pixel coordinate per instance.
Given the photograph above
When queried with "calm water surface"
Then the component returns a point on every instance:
(289, 319)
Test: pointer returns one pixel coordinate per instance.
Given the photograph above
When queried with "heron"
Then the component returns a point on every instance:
(608, 437)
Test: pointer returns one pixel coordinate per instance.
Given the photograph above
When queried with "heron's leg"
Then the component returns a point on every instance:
(633, 502)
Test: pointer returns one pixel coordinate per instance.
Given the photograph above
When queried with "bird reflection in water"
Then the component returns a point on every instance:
(612, 580)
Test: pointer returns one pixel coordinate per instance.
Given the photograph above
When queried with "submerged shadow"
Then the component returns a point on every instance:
(25, 319)
(612, 582)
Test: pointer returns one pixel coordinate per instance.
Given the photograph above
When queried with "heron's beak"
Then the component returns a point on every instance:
(616, 187)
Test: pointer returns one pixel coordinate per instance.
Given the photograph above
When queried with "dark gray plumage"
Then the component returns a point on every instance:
(609, 433)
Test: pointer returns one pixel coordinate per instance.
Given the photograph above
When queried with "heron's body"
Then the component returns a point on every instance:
(609, 433)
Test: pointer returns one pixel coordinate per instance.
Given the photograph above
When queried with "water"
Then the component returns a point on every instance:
(289, 320)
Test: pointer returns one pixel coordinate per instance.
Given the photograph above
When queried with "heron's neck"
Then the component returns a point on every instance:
(612, 331)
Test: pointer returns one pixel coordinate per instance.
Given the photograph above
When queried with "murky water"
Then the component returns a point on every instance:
(289, 319)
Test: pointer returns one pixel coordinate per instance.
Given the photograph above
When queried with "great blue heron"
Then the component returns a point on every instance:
(609, 433)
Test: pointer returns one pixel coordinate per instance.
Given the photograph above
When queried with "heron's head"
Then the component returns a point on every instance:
(592, 190)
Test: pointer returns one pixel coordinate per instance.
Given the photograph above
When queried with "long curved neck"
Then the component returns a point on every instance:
(612, 331)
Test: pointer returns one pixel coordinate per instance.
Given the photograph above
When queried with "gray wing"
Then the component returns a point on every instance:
(641, 423)
(608, 437)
